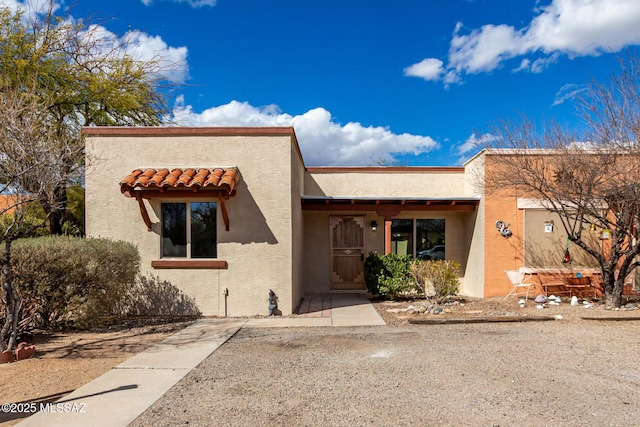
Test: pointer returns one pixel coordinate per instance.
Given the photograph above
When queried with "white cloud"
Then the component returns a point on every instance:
(428, 69)
(564, 27)
(525, 65)
(192, 3)
(483, 49)
(322, 140)
(474, 143)
(171, 61)
(30, 7)
(538, 65)
(568, 92)
(585, 27)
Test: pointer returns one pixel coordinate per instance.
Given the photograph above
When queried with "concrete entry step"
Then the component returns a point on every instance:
(315, 306)
(344, 309)
(354, 310)
(326, 310)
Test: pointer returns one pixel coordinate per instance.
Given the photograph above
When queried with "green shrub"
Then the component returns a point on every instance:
(74, 282)
(74, 215)
(32, 220)
(437, 279)
(34, 224)
(388, 275)
(373, 268)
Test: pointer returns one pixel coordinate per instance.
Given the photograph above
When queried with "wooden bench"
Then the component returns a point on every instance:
(566, 283)
(553, 283)
(580, 286)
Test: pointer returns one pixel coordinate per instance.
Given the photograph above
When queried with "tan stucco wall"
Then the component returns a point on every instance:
(317, 262)
(259, 245)
(316, 252)
(473, 282)
(297, 227)
(385, 183)
(546, 249)
(272, 242)
(390, 182)
(458, 237)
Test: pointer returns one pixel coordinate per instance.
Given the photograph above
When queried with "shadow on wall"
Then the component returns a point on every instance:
(311, 187)
(470, 222)
(551, 253)
(151, 296)
(515, 243)
(247, 224)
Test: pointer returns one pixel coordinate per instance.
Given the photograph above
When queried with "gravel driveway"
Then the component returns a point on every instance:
(558, 373)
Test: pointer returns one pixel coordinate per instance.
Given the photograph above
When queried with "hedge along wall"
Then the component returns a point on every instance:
(74, 282)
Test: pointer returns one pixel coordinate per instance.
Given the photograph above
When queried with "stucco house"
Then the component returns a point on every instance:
(228, 214)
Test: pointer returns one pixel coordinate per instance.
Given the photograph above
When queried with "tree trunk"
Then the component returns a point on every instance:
(56, 219)
(56, 210)
(8, 334)
(8, 317)
(612, 287)
(612, 300)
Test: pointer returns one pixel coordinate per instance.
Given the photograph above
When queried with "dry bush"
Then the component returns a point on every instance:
(436, 279)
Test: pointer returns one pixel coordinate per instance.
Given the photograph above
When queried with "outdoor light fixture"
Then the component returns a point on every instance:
(374, 226)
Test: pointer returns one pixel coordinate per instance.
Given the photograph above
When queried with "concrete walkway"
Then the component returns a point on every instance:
(119, 396)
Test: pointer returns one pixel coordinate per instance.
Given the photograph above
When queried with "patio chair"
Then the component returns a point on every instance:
(519, 283)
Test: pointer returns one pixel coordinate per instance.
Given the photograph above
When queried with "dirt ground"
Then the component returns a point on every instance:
(403, 311)
(569, 373)
(65, 361)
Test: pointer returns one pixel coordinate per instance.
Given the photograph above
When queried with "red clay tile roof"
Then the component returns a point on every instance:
(192, 178)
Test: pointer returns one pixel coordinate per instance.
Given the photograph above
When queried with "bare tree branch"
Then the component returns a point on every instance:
(589, 179)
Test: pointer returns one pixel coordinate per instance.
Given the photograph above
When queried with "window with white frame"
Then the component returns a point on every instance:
(189, 230)
(421, 238)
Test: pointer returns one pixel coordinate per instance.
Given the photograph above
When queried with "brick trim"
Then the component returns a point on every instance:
(190, 264)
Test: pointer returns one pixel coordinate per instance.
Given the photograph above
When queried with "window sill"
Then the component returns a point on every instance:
(190, 263)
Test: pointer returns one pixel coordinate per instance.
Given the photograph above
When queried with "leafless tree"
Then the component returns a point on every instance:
(589, 177)
(31, 157)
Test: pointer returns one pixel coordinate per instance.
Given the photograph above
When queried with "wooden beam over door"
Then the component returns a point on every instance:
(387, 236)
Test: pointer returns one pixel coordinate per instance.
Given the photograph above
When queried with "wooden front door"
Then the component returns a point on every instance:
(347, 252)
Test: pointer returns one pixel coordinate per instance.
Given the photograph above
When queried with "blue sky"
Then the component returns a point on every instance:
(417, 81)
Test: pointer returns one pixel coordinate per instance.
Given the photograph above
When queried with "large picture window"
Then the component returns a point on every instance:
(421, 238)
(189, 230)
